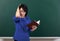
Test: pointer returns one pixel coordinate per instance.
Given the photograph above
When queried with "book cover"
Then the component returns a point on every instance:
(36, 23)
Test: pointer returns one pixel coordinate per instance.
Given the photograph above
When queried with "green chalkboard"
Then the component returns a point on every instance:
(48, 11)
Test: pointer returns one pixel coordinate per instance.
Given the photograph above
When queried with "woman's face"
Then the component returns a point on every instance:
(22, 12)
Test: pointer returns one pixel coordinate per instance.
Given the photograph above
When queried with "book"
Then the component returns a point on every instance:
(36, 23)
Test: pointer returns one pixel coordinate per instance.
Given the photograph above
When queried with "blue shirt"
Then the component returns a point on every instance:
(22, 30)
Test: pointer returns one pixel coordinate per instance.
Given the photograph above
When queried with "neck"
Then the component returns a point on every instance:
(23, 17)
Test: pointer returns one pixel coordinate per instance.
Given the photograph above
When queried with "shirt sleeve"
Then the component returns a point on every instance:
(28, 23)
(16, 19)
(25, 25)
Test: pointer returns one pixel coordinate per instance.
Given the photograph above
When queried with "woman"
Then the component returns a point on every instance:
(21, 19)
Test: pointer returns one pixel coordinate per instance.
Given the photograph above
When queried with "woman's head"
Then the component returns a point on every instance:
(23, 10)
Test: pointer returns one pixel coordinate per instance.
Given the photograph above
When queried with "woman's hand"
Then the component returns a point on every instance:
(34, 28)
(17, 13)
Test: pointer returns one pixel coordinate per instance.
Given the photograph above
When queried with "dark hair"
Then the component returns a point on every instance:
(24, 8)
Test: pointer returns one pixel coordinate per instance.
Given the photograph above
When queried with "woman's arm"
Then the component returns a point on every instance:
(24, 24)
(17, 16)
